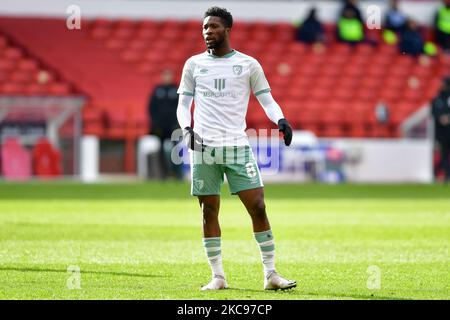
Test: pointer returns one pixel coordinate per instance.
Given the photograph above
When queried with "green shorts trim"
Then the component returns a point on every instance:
(209, 167)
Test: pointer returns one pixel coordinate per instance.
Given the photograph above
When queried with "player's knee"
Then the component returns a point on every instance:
(210, 212)
(259, 208)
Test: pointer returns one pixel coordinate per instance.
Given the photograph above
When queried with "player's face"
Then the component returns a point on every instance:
(214, 32)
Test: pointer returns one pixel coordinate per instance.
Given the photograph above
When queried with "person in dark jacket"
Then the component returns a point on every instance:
(442, 25)
(162, 110)
(353, 6)
(440, 110)
(395, 20)
(411, 39)
(311, 30)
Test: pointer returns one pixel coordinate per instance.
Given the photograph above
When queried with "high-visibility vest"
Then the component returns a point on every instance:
(351, 29)
(443, 20)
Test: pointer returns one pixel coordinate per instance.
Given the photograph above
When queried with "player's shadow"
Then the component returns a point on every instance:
(300, 295)
(126, 274)
(355, 296)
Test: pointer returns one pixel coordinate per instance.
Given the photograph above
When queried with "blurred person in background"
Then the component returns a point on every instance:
(394, 20)
(350, 28)
(440, 110)
(442, 25)
(311, 30)
(411, 39)
(352, 5)
(162, 109)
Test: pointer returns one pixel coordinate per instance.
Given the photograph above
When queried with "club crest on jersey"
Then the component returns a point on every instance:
(251, 172)
(237, 69)
(199, 184)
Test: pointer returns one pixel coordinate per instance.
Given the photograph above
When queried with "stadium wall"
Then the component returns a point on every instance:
(387, 160)
(422, 11)
(358, 160)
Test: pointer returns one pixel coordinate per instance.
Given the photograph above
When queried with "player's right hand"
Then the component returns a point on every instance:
(193, 140)
(285, 128)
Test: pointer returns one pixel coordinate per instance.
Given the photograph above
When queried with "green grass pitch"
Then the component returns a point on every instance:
(143, 241)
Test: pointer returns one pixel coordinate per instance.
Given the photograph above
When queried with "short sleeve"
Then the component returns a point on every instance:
(258, 81)
(187, 83)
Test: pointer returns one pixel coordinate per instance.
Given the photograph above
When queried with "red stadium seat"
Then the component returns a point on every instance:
(389, 94)
(46, 159)
(319, 93)
(12, 53)
(100, 22)
(388, 50)
(296, 48)
(35, 89)
(146, 33)
(283, 32)
(370, 83)
(364, 49)
(11, 88)
(125, 23)
(123, 33)
(15, 160)
(376, 71)
(413, 96)
(343, 93)
(101, 33)
(381, 131)
(21, 76)
(3, 43)
(28, 65)
(7, 65)
(332, 131)
(358, 130)
(341, 49)
(309, 117)
(366, 94)
(59, 89)
(138, 44)
(92, 121)
(131, 55)
(114, 43)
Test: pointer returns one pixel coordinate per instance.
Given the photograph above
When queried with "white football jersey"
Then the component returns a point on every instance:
(221, 89)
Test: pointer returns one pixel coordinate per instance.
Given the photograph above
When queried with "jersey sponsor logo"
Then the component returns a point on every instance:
(237, 69)
(211, 94)
(219, 84)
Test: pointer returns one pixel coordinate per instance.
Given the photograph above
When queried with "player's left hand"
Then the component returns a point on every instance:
(194, 142)
(285, 127)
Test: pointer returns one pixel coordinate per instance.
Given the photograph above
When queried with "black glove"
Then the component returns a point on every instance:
(284, 126)
(194, 142)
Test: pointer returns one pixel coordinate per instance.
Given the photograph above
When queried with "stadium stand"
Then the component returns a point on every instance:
(23, 74)
(332, 92)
